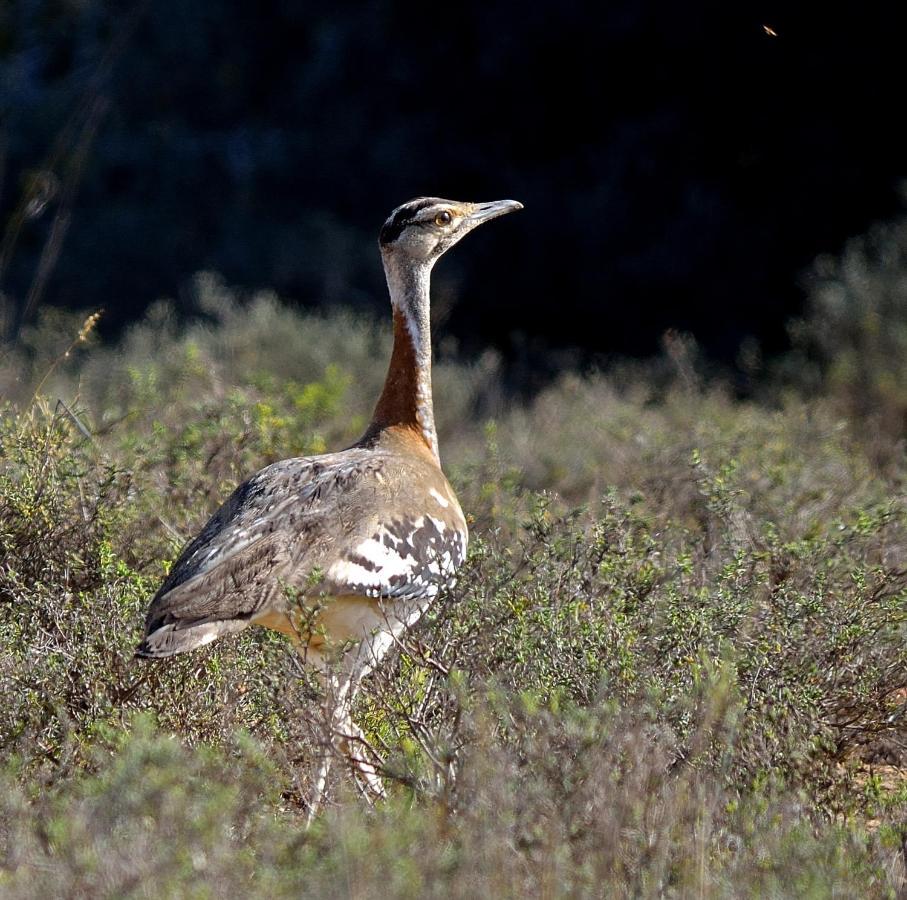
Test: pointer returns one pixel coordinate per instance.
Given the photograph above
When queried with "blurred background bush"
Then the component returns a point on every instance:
(680, 165)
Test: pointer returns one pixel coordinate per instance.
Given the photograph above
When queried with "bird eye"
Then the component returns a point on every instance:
(443, 218)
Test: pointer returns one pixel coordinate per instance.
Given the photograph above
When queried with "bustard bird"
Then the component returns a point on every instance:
(366, 537)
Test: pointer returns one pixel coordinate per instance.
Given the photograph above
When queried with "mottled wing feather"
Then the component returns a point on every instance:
(220, 536)
(220, 573)
(349, 514)
(233, 589)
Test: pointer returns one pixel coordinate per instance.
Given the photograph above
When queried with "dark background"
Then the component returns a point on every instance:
(680, 167)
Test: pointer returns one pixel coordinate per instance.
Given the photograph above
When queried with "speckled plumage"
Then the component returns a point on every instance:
(359, 522)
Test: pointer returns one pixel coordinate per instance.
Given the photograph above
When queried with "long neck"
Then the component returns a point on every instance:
(405, 402)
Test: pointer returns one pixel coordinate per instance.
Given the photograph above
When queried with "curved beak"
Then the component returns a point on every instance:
(482, 212)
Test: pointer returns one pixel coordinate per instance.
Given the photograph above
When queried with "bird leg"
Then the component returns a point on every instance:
(350, 741)
(318, 792)
(344, 735)
(336, 688)
(347, 735)
(342, 680)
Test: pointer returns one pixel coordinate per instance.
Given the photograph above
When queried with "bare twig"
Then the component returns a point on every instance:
(75, 419)
(63, 216)
(84, 122)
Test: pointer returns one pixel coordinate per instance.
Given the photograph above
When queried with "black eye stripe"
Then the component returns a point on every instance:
(404, 216)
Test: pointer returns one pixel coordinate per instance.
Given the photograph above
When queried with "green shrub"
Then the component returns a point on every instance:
(576, 805)
(674, 664)
(852, 339)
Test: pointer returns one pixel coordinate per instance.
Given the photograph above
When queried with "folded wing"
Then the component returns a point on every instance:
(299, 518)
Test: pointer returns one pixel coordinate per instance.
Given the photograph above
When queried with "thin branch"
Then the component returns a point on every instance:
(63, 216)
(43, 187)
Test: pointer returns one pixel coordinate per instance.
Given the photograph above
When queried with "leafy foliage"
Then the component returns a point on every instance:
(674, 664)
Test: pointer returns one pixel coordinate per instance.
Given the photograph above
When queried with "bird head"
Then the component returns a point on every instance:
(425, 228)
